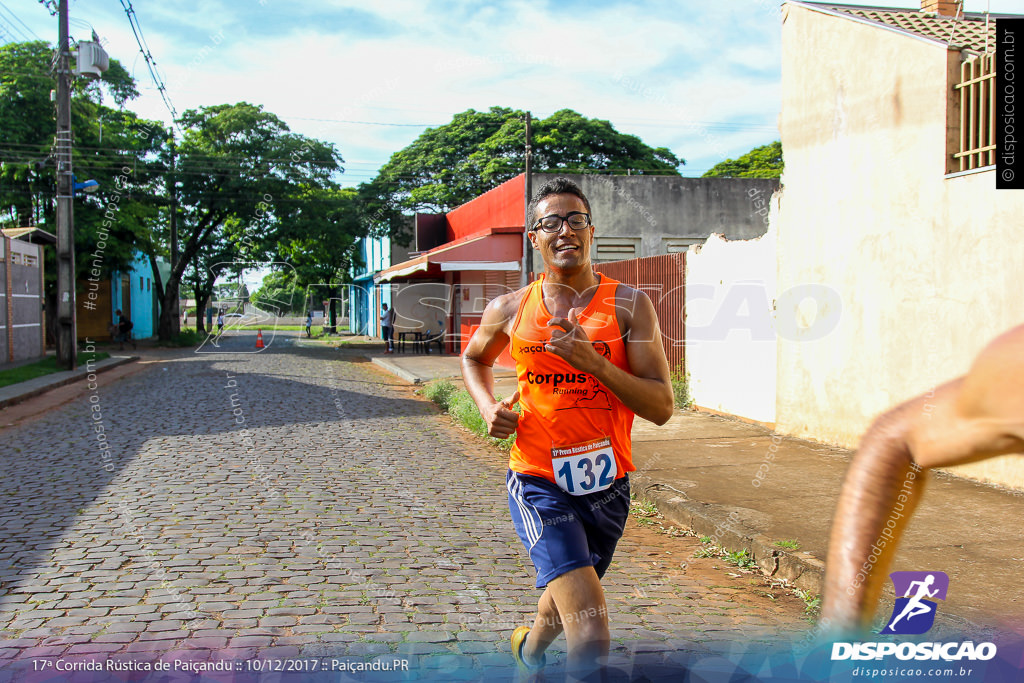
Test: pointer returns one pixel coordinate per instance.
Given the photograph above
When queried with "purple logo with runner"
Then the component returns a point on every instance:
(916, 593)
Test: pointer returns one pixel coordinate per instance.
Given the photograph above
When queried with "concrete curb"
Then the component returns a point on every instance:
(397, 371)
(16, 393)
(799, 569)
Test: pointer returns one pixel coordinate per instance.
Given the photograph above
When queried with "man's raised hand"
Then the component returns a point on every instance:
(569, 341)
(500, 418)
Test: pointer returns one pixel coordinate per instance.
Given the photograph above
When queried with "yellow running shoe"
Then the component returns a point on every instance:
(518, 639)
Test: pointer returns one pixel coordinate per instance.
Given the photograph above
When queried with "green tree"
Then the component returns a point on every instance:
(106, 143)
(760, 162)
(112, 146)
(28, 122)
(242, 175)
(317, 239)
(280, 293)
(449, 165)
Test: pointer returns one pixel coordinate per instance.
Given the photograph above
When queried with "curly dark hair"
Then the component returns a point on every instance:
(553, 187)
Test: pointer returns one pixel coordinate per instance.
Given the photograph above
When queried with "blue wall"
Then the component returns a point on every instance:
(140, 282)
(367, 298)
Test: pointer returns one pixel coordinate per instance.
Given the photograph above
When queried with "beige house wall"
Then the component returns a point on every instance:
(926, 266)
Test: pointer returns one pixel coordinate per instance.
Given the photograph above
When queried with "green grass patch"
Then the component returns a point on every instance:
(440, 392)
(316, 329)
(681, 387)
(812, 604)
(47, 366)
(187, 337)
(460, 405)
(740, 558)
(644, 511)
(789, 544)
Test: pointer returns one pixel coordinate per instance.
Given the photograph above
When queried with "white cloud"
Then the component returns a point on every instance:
(659, 70)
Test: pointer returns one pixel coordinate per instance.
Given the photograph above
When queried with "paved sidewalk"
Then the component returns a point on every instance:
(15, 393)
(700, 470)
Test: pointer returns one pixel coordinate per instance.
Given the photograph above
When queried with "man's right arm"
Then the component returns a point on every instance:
(976, 417)
(487, 343)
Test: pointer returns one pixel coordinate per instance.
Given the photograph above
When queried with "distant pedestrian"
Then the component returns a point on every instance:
(309, 324)
(124, 330)
(220, 322)
(387, 328)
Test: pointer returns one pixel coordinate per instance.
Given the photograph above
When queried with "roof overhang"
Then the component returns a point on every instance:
(34, 235)
(480, 265)
(492, 249)
(828, 8)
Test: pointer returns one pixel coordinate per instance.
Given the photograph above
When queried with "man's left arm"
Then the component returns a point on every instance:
(647, 389)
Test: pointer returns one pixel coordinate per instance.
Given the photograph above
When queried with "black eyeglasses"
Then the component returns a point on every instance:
(577, 220)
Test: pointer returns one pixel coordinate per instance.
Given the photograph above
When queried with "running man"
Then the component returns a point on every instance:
(915, 606)
(588, 357)
(978, 416)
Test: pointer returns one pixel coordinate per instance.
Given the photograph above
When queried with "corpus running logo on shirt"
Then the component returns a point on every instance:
(914, 611)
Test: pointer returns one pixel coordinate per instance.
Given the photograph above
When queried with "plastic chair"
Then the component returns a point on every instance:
(430, 338)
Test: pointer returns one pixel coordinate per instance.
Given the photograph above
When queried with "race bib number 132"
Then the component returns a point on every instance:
(584, 467)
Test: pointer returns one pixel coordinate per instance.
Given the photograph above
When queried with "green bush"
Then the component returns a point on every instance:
(439, 391)
(463, 409)
(681, 387)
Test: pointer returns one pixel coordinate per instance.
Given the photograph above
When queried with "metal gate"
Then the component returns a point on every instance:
(663, 279)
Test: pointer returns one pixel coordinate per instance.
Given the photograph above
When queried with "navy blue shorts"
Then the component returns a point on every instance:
(564, 532)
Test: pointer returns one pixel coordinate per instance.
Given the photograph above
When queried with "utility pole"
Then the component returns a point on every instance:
(67, 351)
(175, 313)
(528, 190)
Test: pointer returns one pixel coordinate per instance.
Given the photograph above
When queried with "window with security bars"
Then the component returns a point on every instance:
(21, 259)
(975, 98)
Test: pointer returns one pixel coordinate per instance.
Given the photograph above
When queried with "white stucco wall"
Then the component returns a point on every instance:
(730, 328)
(924, 265)
(419, 305)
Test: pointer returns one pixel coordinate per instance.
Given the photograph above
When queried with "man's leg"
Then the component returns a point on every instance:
(574, 602)
(546, 627)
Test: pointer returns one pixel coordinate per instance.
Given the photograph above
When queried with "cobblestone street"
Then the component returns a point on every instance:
(300, 502)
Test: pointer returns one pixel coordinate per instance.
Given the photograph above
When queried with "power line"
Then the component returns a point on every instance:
(133, 20)
(18, 19)
(724, 126)
(365, 123)
(10, 24)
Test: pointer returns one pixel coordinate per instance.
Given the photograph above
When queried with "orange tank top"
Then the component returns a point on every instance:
(562, 407)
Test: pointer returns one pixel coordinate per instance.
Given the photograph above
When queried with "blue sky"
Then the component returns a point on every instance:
(699, 78)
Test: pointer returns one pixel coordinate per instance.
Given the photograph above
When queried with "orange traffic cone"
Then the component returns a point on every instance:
(259, 339)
